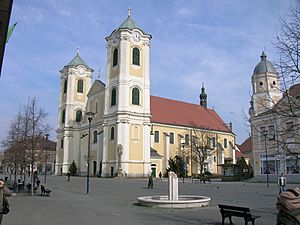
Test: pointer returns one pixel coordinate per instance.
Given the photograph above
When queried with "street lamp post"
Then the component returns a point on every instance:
(90, 118)
(184, 165)
(45, 178)
(265, 134)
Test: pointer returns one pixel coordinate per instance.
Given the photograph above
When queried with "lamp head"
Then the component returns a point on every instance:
(90, 115)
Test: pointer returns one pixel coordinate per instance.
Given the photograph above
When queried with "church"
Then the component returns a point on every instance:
(274, 120)
(116, 128)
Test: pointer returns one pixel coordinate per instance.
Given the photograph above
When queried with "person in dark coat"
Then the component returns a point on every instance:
(68, 174)
(150, 182)
(160, 175)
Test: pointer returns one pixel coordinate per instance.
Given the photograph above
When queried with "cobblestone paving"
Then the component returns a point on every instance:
(112, 201)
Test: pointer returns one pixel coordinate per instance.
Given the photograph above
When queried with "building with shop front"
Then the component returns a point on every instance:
(274, 124)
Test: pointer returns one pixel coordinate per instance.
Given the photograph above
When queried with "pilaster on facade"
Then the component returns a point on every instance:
(167, 149)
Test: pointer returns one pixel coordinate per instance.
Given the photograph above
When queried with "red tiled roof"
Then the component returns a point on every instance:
(167, 111)
(239, 154)
(246, 146)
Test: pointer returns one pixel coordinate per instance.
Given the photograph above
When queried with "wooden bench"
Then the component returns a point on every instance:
(44, 191)
(229, 211)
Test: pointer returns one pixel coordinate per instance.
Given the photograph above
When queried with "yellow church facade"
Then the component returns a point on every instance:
(120, 128)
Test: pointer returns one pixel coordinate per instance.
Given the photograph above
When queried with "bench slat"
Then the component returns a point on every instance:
(231, 207)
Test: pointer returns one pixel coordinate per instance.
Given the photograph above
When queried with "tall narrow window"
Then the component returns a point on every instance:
(156, 136)
(262, 131)
(225, 143)
(271, 132)
(171, 138)
(113, 97)
(80, 86)
(65, 86)
(213, 142)
(187, 139)
(112, 133)
(62, 143)
(95, 136)
(96, 107)
(63, 116)
(78, 115)
(135, 96)
(136, 56)
(115, 57)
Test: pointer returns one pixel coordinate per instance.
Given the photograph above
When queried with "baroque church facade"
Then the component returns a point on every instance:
(274, 125)
(128, 131)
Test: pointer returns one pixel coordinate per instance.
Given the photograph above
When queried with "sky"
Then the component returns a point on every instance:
(216, 42)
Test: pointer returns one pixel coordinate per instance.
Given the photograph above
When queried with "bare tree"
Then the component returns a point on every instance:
(35, 129)
(287, 43)
(201, 142)
(24, 142)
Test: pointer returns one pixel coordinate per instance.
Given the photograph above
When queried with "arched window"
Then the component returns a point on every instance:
(80, 86)
(225, 143)
(63, 116)
(112, 133)
(113, 97)
(171, 138)
(78, 115)
(135, 133)
(136, 56)
(65, 86)
(115, 57)
(95, 136)
(156, 136)
(135, 96)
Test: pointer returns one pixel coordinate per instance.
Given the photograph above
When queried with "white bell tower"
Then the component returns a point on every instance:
(266, 87)
(127, 102)
(75, 82)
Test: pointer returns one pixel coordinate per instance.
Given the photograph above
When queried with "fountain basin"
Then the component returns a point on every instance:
(184, 201)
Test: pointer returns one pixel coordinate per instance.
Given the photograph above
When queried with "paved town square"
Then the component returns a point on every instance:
(113, 201)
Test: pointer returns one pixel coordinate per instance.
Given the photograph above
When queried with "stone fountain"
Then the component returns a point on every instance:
(173, 200)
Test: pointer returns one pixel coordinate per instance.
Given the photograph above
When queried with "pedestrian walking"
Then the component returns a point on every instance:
(150, 182)
(37, 182)
(68, 174)
(160, 175)
(281, 183)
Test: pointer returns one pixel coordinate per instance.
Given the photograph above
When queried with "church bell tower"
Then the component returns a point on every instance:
(75, 82)
(127, 102)
(265, 86)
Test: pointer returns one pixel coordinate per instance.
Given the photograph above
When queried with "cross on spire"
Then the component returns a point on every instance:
(99, 74)
(129, 11)
(78, 50)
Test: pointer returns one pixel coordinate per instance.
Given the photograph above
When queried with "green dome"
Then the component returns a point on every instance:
(77, 60)
(264, 66)
(129, 24)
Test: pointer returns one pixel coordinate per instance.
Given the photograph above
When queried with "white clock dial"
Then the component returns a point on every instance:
(81, 70)
(136, 36)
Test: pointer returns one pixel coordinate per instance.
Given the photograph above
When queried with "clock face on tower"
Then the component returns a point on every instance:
(136, 36)
(81, 70)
